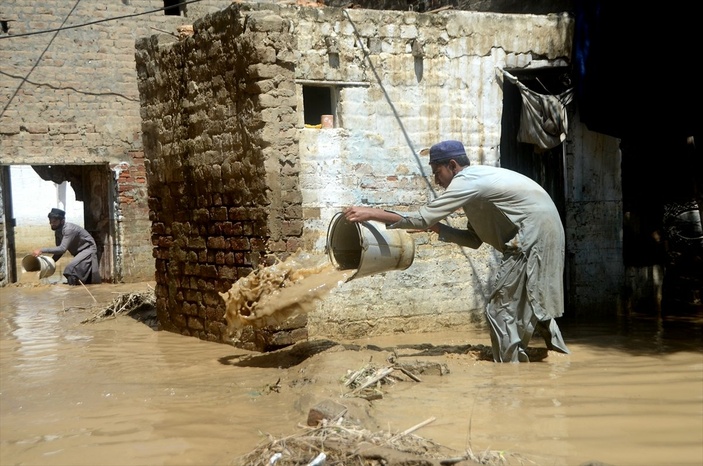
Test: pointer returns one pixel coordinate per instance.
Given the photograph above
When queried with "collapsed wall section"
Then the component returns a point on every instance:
(218, 121)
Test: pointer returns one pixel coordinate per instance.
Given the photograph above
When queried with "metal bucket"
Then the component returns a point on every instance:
(45, 265)
(368, 247)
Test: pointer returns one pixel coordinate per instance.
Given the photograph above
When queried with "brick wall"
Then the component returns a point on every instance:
(218, 114)
(134, 260)
(70, 97)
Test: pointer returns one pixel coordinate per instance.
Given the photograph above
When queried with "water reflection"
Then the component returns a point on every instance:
(640, 333)
(117, 392)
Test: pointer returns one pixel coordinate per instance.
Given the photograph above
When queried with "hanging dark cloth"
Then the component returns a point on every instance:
(543, 118)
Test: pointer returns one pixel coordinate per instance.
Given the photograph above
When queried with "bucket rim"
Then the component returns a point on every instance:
(379, 249)
(336, 219)
(44, 265)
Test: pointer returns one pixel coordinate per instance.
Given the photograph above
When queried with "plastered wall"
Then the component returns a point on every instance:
(429, 77)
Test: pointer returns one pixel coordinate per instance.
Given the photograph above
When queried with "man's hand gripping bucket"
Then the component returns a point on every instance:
(368, 247)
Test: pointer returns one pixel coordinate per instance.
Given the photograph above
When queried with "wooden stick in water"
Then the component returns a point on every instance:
(414, 428)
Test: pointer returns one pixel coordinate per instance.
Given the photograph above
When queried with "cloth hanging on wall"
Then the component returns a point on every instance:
(543, 118)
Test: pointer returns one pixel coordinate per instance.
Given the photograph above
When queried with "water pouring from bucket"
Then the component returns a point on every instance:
(45, 265)
(271, 295)
(368, 247)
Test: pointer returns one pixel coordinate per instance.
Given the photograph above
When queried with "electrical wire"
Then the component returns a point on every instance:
(90, 23)
(36, 63)
(63, 27)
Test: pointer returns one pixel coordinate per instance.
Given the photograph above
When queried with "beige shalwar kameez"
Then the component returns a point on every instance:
(512, 213)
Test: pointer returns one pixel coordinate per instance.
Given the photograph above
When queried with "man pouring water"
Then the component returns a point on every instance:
(517, 217)
(83, 268)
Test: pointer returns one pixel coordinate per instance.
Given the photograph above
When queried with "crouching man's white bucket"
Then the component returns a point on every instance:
(45, 265)
(369, 247)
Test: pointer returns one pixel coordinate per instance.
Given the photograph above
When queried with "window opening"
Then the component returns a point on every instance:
(174, 8)
(317, 101)
(4, 27)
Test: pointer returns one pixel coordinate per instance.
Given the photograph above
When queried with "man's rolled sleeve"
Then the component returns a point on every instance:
(409, 222)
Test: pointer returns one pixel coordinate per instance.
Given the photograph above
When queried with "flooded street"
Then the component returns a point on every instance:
(116, 392)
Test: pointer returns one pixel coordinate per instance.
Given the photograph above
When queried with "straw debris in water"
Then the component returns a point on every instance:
(343, 443)
(368, 381)
(140, 305)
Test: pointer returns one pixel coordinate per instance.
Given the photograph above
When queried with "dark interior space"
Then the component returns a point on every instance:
(317, 101)
(545, 166)
(662, 216)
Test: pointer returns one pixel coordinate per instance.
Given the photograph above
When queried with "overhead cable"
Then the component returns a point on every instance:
(105, 20)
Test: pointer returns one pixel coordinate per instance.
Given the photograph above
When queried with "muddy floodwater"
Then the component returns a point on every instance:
(116, 392)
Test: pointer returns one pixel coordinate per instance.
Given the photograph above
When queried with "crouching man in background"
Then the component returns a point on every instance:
(76, 240)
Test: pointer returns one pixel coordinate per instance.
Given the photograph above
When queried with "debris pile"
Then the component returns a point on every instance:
(341, 443)
(139, 305)
(367, 382)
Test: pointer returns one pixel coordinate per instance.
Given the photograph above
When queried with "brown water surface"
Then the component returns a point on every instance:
(117, 392)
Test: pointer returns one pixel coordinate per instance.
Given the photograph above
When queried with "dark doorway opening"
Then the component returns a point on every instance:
(661, 179)
(546, 167)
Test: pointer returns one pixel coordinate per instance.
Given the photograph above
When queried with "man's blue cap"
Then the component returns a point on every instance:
(446, 150)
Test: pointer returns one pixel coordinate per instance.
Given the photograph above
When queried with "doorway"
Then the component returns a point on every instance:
(84, 192)
(545, 166)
